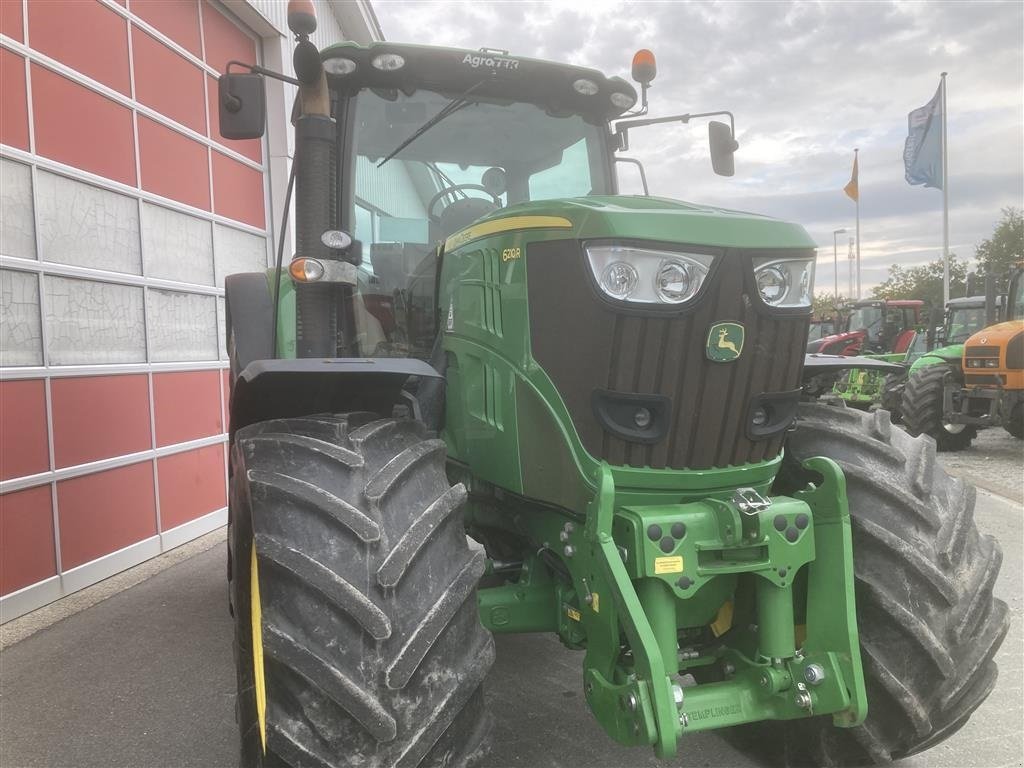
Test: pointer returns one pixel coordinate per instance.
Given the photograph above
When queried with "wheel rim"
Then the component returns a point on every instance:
(256, 621)
(953, 429)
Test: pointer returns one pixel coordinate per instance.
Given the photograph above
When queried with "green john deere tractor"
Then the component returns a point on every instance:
(515, 401)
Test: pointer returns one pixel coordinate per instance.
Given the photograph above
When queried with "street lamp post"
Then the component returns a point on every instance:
(835, 258)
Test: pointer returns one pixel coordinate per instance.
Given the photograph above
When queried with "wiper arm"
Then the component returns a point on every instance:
(453, 106)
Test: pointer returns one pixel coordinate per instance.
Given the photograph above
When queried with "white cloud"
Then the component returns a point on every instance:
(808, 82)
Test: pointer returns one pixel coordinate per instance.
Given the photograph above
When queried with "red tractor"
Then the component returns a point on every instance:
(873, 327)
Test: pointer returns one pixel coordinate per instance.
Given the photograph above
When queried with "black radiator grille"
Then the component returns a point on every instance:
(583, 343)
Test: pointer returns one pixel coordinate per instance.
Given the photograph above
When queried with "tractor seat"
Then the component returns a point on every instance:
(461, 213)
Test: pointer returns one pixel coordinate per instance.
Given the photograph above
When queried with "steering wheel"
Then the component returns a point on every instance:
(436, 218)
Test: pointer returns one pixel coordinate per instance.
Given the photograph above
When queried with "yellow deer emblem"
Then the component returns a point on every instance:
(724, 343)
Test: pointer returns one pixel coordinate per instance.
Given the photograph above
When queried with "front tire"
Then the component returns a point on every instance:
(892, 395)
(929, 625)
(357, 639)
(923, 411)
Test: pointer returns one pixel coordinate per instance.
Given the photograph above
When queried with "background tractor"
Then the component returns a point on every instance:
(939, 344)
(872, 327)
(603, 393)
(979, 382)
(880, 330)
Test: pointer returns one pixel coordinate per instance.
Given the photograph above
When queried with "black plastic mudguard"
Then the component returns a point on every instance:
(249, 318)
(277, 389)
(817, 364)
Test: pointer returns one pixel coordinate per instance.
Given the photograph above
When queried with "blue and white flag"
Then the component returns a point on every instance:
(922, 154)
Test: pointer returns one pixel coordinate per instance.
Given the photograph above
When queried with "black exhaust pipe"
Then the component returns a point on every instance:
(316, 316)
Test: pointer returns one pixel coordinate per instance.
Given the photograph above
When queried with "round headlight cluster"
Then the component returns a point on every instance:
(773, 283)
(675, 282)
(785, 282)
(643, 275)
(619, 279)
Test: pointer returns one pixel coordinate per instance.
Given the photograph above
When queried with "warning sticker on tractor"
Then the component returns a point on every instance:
(573, 614)
(668, 565)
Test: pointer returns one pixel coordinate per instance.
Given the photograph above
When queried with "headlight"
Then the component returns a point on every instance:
(646, 275)
(784, 282)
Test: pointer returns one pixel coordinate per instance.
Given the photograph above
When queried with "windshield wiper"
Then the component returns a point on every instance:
(453, 106)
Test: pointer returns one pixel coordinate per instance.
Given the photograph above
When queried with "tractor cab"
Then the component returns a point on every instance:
(873, 327)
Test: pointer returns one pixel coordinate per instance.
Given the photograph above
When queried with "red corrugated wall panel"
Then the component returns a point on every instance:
(104, 512)
(225, 41)
(238, 191)
(13, 100)
(99, 417)
(85, 35)
(187, 406)
(82, 128)
(173, 165)
(24, 448)
(191, 485)
(168, 83)
(26, 530)
(178, 19)
(11, 20)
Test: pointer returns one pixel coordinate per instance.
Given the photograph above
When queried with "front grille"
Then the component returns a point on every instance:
(982, 352)
(984, 379)
(585, 344)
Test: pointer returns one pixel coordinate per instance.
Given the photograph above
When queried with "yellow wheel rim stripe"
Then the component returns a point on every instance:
(256, 620)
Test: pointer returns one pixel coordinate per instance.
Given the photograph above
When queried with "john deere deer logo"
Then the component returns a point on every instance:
(725, 342)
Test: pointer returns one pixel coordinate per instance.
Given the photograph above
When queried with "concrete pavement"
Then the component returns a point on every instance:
(145, 679)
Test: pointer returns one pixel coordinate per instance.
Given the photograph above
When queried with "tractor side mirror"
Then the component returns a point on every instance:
(723, 145)
(242, 106)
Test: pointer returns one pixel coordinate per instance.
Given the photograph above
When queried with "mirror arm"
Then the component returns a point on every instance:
(256, 69)
(622, 126)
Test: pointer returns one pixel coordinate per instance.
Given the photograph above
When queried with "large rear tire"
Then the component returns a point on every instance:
(357, 635)
(923, 413)
(929, 625)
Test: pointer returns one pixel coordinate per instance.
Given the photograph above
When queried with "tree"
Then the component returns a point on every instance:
(826, 305)
(998, 254)
(924, 282)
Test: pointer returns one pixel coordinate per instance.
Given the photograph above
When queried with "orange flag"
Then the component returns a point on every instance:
(852, 190)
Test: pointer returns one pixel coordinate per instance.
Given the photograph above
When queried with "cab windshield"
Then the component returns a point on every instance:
(964, 323)
(866, 318)
(481, 157)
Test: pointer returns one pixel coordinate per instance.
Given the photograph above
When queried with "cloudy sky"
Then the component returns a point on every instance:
(808, 82)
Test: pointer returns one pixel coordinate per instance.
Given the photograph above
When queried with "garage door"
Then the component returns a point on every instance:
(122, 211)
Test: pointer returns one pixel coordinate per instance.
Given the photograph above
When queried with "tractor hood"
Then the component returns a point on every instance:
(661, 219)
(996, 335)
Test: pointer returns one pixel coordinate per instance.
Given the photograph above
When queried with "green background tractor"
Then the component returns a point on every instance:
(975, 382)
(603, 392)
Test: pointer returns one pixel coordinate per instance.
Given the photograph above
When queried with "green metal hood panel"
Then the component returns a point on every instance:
(948, 354)
(658, 218)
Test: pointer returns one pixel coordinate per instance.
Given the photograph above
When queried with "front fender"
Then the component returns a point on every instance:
(280, 389)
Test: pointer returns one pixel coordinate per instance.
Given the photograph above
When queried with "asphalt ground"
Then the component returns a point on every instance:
(145, 679)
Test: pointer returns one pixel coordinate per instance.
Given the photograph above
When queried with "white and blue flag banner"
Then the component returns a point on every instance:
(922, 154)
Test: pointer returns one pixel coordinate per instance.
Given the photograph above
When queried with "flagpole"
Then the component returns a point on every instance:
(857, 201)
(945, 201)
